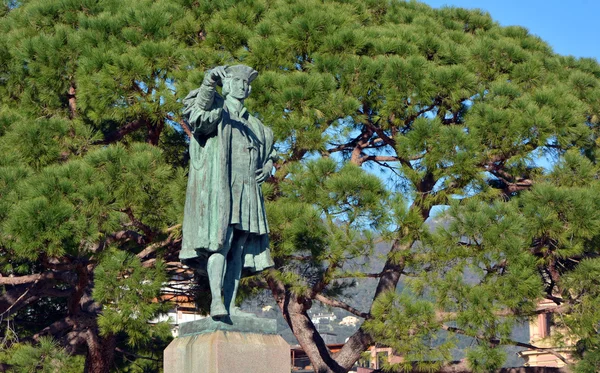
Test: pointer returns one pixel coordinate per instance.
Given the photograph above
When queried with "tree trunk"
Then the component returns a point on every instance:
(294, 310)
(390, 275)
(154, 131)
(101, 352)
(309, 338)
(294, 313)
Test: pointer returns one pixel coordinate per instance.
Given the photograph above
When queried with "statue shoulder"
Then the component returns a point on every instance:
(254, 120)
(266, 133)
(257, 122)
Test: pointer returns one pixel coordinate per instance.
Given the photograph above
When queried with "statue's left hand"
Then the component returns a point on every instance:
(263, 174)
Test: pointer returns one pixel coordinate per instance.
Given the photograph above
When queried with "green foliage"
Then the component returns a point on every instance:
(325, 213)
(582, 286)
(66, 208)
(489, 256)
(347, 193)
(409, 326)
(46, 356)
(128, 292)
(67, 193)
(485, 358)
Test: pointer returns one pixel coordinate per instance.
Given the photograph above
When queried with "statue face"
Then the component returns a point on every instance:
(238, 87)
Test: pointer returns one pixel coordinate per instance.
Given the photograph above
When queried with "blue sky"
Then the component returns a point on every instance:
(570, 27)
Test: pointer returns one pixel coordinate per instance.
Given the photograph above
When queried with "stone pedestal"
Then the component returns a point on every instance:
(231, 345)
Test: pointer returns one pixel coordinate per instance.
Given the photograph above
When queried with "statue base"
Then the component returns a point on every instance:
(228, 345)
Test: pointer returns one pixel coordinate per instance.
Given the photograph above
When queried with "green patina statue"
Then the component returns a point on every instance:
(231, 153)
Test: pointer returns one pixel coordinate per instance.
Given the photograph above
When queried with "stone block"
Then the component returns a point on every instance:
(206, 348)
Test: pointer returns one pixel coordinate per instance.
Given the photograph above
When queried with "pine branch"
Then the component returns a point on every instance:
(563, 308)
(155, 246)
(362, 143)
(281, 172)
(173, 228)
(125, 236)
(347, 146)
(13, 303)
(380, 158)
(359, 275)
(409, 119)
(343, 147)
(121, 132)
(72, 100)
(153, 131)
(339, 304)
(443, 316)
(149, 250)
(256, 282)
(57, 264)
(148, 231)
(326, 278)
(365, 140)
(389, 167)
(64, 324)
(415, 275)
(149, 262)
(21, 296)
(376, 142)
(177, 264)
(392, 269)
(495, 269)
(74, 339)
(183, 125)
(277, 289)
(382, 135)
(556, 300)
(510, 342)
(297, 154)
(120, 236)
(512, 187)
(35, 278)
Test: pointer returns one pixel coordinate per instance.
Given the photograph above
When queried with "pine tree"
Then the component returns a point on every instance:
(383, 111)
(92, 184)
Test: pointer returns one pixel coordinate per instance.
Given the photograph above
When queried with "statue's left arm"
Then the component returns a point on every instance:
(269, 151)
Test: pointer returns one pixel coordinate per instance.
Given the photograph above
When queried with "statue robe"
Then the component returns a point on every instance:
(208, 204)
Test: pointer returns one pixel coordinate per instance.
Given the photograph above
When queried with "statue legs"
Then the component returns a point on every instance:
(233, 273)
(224, 272)
(215, 269)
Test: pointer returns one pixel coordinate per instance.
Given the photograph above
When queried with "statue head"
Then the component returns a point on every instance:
(237, 82)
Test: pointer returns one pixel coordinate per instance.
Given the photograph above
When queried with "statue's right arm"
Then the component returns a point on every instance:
(201, 110)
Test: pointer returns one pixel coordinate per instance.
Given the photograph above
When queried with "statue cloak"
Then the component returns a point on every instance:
(207, 213)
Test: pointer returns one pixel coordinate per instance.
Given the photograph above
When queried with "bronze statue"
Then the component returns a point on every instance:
(231, 154)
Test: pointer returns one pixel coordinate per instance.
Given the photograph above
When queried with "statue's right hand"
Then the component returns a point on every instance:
(216, 75)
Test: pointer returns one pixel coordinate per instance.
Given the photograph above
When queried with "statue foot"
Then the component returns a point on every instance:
(217, 309)
(236, 311)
